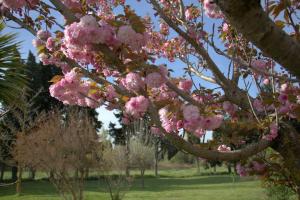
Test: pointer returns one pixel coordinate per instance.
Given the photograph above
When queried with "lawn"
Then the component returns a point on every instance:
(180, 184)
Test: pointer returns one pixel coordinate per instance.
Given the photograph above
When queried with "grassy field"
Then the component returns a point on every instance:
(181, 184)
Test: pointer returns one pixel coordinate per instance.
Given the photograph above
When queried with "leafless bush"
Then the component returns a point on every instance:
(115, 172)
(63, 145)
(141, 157)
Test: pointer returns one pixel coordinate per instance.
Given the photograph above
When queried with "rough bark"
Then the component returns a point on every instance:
(274, 42)
(288, 145)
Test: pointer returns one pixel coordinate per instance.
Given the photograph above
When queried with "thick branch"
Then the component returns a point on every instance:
(245, 15)
(181, 144)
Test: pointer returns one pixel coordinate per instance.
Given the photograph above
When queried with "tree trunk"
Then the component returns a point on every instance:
(288, 145)
(127, 151)
(86, 173)
(198, 165)
(32, 174)
(156, 159)
(142, 178)
(2, 171)
(19, 181)
(229, 168)
(14, 173)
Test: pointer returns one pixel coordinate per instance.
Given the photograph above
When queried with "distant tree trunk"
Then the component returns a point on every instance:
(142, 177)
(14, 173)
(2, 170)
(128, 131)
(32, 174)
(198, 165)
(156, 159)
(215, 169)
(86, 173)
(229, 168)
(19, 181)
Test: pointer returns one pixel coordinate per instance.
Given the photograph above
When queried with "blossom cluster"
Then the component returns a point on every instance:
(74, 91)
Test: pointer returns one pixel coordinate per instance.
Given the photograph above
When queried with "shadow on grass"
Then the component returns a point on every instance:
(44, 188)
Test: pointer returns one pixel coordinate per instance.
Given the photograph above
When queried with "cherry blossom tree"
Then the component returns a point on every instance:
(124, 61)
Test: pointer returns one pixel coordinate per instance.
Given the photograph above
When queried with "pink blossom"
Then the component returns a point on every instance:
(128, 36)
(225, 27)
(133, 82)
(185, 85)
(284, 87)
(50, 44)
(199, 132)
(169, 122)
(137, 106)
(273, 132)
(259, 64)
(211, 9)
(212, 122)
(190, 112)
(258, 106)
(73, 91)
(229, 107)
(241, 170)
(154, 80)
(266, 81)
(37, 43)
(224, 148)
(283, 98)
(43, 35)
(258, 167)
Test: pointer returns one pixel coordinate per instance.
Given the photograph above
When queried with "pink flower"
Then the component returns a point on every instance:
(154, 80)
(199, 132)
(266, 81)
(241, 170)
(37, 43)
(169, 122)
(137, 106)
(133, 81)
(190, 112)
(211, 123)
(273, 132)
(43, 35)
(258, 106)
(229, 107)
(225, 27)
(185, 85)
(50, 44)
(224, 148)
(284, 87)
(258, 167)
(211, 9)
(259, 64)
(128, 36)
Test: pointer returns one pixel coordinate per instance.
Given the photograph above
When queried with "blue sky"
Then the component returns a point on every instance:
(142, 9)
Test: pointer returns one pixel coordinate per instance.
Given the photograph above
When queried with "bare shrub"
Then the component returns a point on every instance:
(114, 168)
(141, 157)
(63, 145)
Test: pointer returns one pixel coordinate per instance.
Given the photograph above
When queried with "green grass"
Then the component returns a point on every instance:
(180, 184)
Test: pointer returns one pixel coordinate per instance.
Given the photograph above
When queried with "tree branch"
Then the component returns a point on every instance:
(244, 15)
